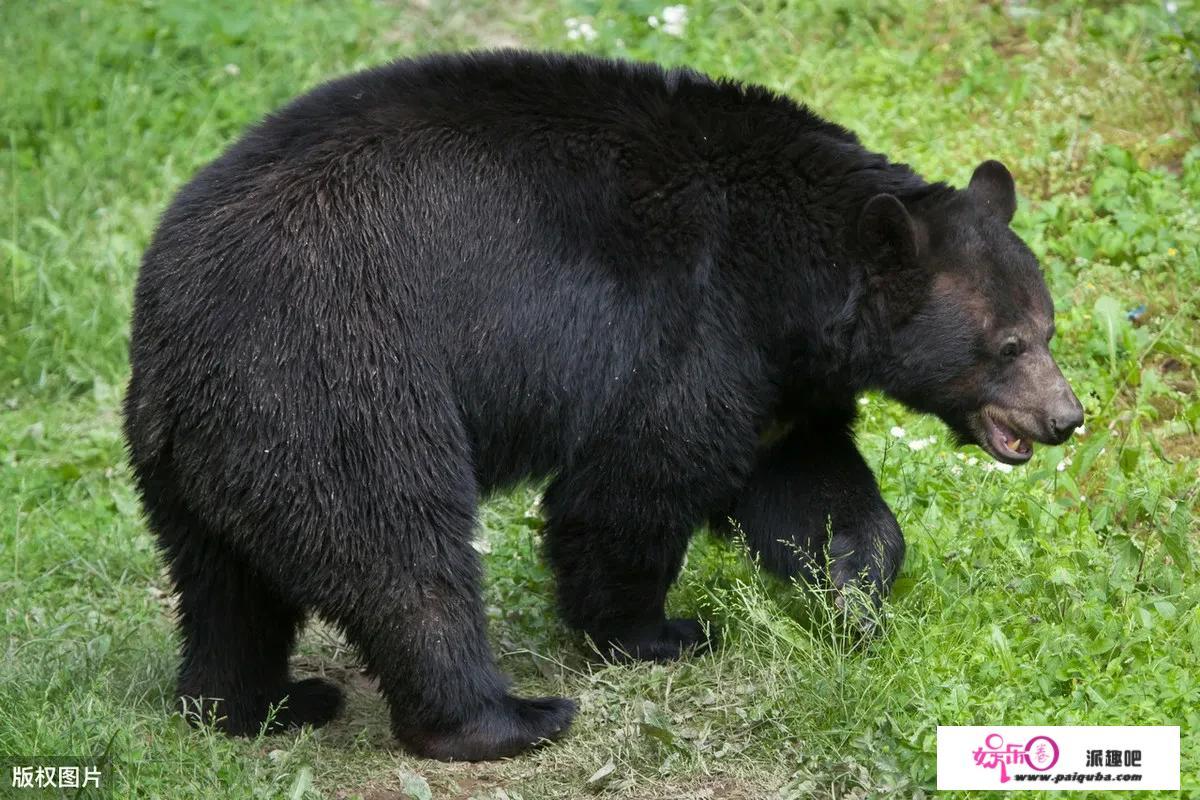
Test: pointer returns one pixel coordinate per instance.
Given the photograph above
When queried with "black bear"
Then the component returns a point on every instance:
(419, 283)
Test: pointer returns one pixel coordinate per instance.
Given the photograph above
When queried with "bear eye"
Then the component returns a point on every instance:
(1012, 348)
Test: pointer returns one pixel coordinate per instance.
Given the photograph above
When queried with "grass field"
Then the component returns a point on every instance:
(1062, 593)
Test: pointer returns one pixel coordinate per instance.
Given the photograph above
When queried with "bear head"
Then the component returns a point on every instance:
(966, 316)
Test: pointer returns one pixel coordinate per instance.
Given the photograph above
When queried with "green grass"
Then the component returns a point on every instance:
(1040, 596)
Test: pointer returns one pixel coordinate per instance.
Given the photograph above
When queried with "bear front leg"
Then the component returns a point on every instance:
(812, 492)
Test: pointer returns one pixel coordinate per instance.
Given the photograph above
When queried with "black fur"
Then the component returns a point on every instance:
(811, 494)
(425, 281)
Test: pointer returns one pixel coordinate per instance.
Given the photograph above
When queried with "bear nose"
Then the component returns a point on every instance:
(1066, 419)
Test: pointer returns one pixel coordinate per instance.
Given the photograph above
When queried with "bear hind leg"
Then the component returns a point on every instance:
(237, 634)
(401, 578)
(422, 632)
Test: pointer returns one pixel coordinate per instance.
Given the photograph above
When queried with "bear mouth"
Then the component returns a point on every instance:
(1003, 441)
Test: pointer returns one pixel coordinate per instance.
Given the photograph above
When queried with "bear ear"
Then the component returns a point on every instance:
(992, 184)
(885, 224)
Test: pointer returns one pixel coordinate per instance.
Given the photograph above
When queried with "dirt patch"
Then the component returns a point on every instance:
(1173, 165)
(370, 794)
(450, 781)
(1177, 375)
(417, 17)
(467, 787)
(1182, 447)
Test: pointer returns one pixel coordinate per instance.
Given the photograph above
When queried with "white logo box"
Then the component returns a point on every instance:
(1058, 757)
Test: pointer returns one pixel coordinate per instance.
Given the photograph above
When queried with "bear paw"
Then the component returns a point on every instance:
(500, 730)
(671, 640)
(312, 701)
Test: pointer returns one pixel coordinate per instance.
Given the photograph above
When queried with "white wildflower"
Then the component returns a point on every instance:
(233, 69)
(580, 29)
(921, 444)
(972, 461)
(898, 432)
(1062, 465)
(1004, 467)
(1080, 431)
(862, 401)
(674, 20)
